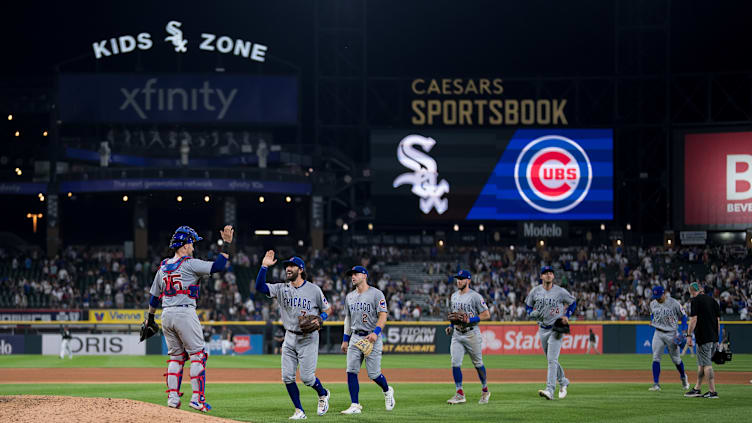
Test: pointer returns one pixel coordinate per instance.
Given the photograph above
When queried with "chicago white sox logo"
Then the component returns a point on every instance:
(176, 37)
(424, 178)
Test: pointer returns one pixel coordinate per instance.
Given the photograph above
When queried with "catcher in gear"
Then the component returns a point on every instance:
(467, 309)
(365, 317)
(302, 308)
(176, 287)
(551, 305)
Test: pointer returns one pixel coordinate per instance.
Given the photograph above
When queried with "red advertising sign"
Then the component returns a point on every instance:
(718, 178)
(523, 339)
(242, 344)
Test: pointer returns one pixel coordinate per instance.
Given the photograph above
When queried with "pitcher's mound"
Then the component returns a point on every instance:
(47, 408)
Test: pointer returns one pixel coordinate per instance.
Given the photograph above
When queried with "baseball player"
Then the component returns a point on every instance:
(65, 348)
(665, 314)
(467, 308)
(365, 317)
(546, 303)
(177, 285)
(298, 299)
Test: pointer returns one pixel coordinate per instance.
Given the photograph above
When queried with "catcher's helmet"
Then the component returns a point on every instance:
(184, 235)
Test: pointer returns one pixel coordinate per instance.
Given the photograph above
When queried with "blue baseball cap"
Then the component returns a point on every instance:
(357, 269)
(657, 292)
(546, 269)
(295, 261)
(462, 274)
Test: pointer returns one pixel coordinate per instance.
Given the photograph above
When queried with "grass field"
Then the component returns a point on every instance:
(517, 402)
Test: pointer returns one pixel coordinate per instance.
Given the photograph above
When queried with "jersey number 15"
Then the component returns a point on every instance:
(172, 284)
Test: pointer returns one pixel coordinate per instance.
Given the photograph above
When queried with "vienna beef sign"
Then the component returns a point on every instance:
(479, 102)
(524, 339)
(180, 43)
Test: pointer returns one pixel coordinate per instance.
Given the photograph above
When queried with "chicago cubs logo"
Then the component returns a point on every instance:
(553, 174)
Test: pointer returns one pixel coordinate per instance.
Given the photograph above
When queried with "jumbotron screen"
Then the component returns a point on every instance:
(492, 175)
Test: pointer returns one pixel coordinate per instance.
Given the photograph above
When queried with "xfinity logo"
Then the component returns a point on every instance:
(545, 230)
(146, 99)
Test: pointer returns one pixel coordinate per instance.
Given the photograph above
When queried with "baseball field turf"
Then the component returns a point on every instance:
(611, 400)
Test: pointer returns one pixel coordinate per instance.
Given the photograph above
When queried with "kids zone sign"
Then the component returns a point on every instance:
(523, 175)
(718, 179)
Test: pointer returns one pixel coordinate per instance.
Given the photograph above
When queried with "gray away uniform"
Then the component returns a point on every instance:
(467, 338)
(551, 305)
(665, 319)
(298, 348)
(179, 289)
(362, 311)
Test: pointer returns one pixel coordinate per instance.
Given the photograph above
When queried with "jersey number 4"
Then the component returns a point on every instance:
(172, 284)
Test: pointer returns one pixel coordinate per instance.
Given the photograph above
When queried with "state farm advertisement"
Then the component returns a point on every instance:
(718, 178)
(524, 339)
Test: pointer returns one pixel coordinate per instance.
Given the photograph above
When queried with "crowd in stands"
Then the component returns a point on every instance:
(610, 283)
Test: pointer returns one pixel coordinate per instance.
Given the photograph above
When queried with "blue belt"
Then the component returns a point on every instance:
(361, 332)
(546, 327)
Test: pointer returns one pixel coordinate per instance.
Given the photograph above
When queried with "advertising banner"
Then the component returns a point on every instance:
(239, 345)
(11, 344)
(41, 315)
(530, 175)
(523, 339)
(717, 180)
(173, 184)
(415, 339)
(84, 344)
(178, 98)
(644, 339)
(130, 317)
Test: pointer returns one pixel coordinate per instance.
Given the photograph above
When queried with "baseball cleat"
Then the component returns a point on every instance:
(694, 393)
(389, 399)
(173, 405)
(545, 394)
(354, 409)
(484, 396)
(456, 399)
(655, 387)
(711, 395)
(563, 391)
(685, 383)
(298, 415)
(324, 403)
(200, 406)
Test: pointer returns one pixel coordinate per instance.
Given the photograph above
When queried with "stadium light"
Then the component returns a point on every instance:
(456, 227)
(180, 198)
(41, 197)
(220, 242)
(262, 232)
(481, 227)
(370, 226)
(34, 217)
(511, 247)
(280, 232)
(345, 226)
(603, 226)
(18, 133)
(70, 194)
(18, 171)
(261, 199)
(542, 243)
(668, 241)
(629, 227)
(206, 199)
(441, 243)
(125, 198)
(10, 117)
(300, 243)
(288, 199)
(618, 242)
(44, 134)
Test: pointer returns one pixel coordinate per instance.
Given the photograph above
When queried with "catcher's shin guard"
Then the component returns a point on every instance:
(198, 376)
(174, 377)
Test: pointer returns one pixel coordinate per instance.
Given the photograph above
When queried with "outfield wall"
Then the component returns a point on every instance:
(240, 338)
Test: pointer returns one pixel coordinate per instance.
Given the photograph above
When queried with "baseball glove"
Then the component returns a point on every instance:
(310, 323)
(149, 328)
(680, 340)
(560, 326)
(364, 345)
(457, 317)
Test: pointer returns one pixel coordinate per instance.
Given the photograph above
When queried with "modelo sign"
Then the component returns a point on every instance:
(718, 179)
(96, 345)
(543, 230)
(524, 339)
